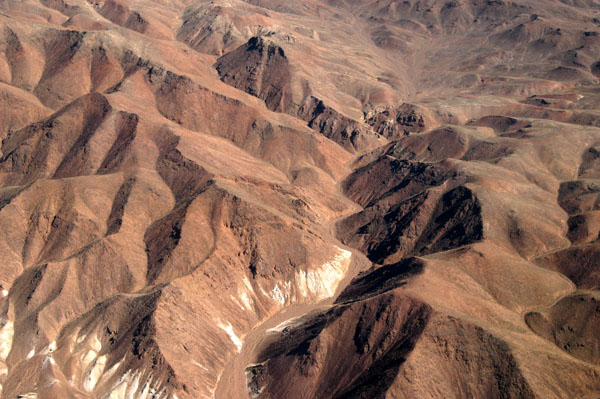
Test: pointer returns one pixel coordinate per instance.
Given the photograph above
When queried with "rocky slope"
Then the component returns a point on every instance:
(308, 199)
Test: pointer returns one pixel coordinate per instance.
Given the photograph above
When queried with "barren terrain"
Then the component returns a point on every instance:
(299, 199)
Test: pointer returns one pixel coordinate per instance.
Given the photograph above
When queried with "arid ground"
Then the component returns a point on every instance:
(307, 199)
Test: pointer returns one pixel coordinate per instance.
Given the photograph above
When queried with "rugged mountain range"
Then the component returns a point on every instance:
(299, 199)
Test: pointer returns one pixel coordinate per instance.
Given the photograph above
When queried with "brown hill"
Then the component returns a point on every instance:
(310, 199)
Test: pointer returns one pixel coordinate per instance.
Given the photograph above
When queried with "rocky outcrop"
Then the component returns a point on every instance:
(394, 122)
(262, 69)
(410, 208)
(570, 325)
(379, 340)
(36, 151)
(347, 132)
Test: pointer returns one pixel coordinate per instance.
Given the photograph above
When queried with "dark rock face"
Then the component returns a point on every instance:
(35, 152)
(406, 212)
(571, 324)
(374, 337)
(394, 122)
(260, 68)
(333, 125)
(364, 347)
